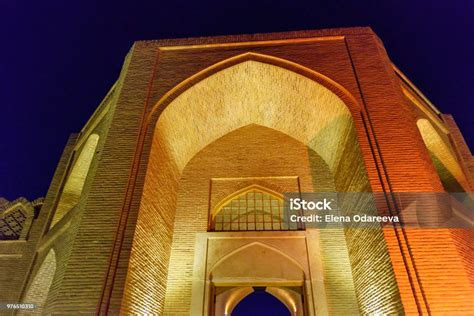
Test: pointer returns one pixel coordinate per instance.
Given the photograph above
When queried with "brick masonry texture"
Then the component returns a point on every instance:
(127, 246)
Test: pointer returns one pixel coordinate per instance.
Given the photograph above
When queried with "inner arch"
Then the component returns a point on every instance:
(253, 92)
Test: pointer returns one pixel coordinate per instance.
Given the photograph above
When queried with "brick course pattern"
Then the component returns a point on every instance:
(309, 111)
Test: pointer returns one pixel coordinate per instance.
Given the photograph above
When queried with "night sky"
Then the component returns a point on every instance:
(59, 58)
(260, 303)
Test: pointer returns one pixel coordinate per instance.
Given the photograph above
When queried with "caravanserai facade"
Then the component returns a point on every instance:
(170, 199)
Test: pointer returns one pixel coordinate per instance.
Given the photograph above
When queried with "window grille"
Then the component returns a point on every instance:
(11, 224)
(254, 209)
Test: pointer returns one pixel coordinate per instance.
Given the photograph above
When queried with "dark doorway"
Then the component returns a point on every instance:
(260, 303)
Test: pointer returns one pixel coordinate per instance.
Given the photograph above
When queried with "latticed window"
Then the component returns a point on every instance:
(11, 224)
(254, 208)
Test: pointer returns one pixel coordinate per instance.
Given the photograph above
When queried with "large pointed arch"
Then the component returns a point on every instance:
(259, 89)
(318, 77)
(240, 91)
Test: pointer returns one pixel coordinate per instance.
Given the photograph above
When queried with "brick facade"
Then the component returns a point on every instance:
(128, 243)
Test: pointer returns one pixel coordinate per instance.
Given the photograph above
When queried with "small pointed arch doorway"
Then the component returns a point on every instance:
(259, 300)
(257, 279)
(260, 303)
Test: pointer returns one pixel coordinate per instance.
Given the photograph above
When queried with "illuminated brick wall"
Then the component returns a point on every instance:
(116, 249)
(148, 274)
(251, 151)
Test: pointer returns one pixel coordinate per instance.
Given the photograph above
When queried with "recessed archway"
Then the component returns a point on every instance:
(243, 91)
(254, 92)
(72, 189)
(38, 289)
(447, 167)
(257, 270)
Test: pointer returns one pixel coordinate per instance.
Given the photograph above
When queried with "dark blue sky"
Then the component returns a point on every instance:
(59, 58)
(260, 303)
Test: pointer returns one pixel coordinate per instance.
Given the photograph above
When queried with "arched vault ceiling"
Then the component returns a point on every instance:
(254, 92)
